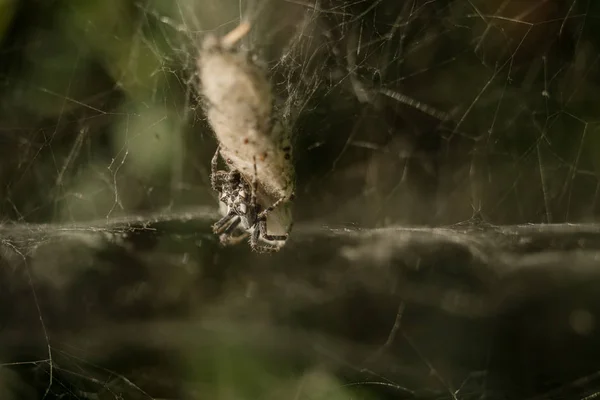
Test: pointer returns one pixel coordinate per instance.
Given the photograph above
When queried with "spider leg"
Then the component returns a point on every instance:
(261, 231)
(262, 227)
(265, 249)
(232, 240)
(215, 175)
(273, 206)
(254, 184)
(259, 248)
(226, 230)
(226, 238)
(217, 179)
(217, 226)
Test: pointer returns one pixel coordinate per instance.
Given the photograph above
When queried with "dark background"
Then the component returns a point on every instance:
(448, 254)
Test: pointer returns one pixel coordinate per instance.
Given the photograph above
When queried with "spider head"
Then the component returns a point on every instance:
(232, 184)
(234, 178)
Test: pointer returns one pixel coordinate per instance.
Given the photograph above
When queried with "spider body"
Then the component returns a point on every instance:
(240, 106)
(243, 211)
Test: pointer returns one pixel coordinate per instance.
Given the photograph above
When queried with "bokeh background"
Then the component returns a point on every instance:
(113, 286)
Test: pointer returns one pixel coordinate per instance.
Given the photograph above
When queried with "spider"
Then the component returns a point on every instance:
(241, 211)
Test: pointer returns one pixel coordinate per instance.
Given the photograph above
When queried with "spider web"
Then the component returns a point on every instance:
(477, 116)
